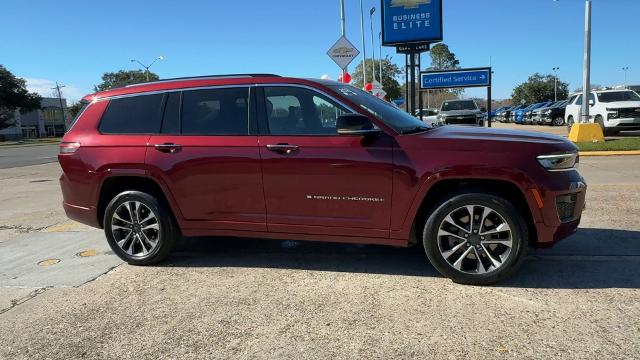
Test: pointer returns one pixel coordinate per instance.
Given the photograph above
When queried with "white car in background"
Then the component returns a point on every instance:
(429, 116)
(614, 110)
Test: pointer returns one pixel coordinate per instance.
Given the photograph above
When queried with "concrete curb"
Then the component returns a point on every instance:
(609, 153)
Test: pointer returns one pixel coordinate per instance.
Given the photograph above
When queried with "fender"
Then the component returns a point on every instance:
(513, 176)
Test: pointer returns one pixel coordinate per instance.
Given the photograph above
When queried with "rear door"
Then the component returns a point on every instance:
(316, 181)
(207, 156)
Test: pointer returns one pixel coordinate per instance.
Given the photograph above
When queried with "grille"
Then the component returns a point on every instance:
(461, 120)
(629, 113)
(566, 205)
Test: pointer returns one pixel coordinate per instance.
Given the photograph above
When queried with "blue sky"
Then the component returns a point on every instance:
(74, 42)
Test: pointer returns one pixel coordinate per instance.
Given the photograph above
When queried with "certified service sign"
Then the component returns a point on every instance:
(411, 21)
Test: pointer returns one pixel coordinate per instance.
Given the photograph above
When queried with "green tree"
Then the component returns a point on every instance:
(122, 78)
(14, 96)
(389, 73)
(539, 88)
(442, 58)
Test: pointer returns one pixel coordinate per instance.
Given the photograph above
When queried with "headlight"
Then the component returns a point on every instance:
(559, 162)
(613, 115)
(547, 112)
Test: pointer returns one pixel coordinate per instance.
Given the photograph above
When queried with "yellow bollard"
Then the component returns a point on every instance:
(586, 133)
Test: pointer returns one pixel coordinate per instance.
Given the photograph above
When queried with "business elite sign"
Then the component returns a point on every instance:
(411, 21)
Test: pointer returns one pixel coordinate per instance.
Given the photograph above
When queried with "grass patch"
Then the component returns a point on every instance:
(626, 144)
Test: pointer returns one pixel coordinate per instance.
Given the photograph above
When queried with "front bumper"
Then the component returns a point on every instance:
(624, 123)
(563, 202)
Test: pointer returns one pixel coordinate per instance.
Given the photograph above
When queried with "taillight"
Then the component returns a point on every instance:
(67, 148)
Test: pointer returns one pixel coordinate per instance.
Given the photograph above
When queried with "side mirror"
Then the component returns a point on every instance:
(355, 124)
(591, 102)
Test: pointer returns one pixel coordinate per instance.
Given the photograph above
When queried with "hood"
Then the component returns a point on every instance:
(460, 112)
(503, 141)
(622, 104)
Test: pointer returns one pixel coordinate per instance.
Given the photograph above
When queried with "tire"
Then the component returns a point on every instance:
(139, 228)
(569, 123)
(558, 121)
(605, 131)
(456, 257)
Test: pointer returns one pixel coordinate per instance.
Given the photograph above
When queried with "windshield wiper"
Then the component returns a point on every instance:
(414, 130)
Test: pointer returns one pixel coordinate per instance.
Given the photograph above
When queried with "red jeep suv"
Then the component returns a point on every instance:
(273, 157)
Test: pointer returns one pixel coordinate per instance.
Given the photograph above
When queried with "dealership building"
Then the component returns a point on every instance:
(49, 121)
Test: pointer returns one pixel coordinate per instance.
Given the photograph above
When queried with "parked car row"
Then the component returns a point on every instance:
(544, 113)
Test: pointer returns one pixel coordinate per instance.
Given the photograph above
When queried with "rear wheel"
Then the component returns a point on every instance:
(139, 228)
(475, 238)
(558, 121)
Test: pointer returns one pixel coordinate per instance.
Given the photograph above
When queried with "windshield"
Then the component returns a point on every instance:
(618, 96)
(459, 105)
(395, 118)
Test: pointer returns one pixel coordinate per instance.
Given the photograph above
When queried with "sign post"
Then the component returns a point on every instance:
(462, 78)
(411, 26)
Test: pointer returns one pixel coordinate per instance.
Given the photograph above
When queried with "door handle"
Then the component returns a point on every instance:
(283, 148)
(168, 147)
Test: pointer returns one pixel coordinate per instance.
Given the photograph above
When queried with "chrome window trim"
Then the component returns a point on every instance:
(311, 88)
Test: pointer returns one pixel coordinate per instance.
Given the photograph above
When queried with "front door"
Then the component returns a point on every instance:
(208, 157)
(316, 181)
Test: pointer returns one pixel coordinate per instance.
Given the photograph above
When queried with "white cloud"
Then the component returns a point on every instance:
(44, 88)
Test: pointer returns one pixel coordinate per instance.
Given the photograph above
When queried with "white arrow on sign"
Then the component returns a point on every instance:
(343, 52)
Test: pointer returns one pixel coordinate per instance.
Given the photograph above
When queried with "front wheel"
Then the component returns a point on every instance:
(139, 228)
(476, 238)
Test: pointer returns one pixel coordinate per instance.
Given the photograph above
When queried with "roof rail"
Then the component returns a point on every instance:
(203, 78)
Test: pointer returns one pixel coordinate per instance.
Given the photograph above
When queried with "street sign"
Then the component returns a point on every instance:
(412, 48)
(411, 21)
(455, 78)
(343, 52)
(380, 94)
(376, 86)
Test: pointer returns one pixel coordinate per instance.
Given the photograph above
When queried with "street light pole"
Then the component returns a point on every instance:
(380, 57)
(586, 81)
(625, 69)
(364, 47)
(555, 83)
(146, 68)
(373, 46)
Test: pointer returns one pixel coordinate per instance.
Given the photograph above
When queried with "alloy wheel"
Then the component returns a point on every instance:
(135, 228)
(475, 239)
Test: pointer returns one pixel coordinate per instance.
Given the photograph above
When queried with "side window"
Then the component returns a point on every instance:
(133, 115)
(215, 112)
(298, 111)
(572, 99)
(171, 118)
(579, 101)
(592, 98)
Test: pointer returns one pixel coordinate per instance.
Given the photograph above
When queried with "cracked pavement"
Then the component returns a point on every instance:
(247, 298)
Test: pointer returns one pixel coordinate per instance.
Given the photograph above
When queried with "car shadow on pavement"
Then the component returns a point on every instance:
(590, 259)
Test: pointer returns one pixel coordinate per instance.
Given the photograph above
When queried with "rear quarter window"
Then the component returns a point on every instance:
(133, 115)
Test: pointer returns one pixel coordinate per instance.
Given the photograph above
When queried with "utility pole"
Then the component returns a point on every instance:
(64, 122)
(586, 81)
(555, 83)
(373, 46)
(364, 47)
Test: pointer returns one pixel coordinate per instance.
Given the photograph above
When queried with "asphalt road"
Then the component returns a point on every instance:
(16, 156)
(247, 298)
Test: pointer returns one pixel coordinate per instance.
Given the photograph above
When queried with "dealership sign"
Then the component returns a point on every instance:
(411, 21)
(455, 78)
(343, 52)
